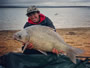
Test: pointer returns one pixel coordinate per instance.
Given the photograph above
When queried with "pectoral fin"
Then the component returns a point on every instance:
(43, 52)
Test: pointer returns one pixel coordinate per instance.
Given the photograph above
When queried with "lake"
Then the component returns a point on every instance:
(15, 18)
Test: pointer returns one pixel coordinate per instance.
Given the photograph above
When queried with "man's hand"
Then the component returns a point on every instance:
(57, 52)
(30, 46)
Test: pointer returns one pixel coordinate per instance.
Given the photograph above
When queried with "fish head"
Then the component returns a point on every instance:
(21, 36)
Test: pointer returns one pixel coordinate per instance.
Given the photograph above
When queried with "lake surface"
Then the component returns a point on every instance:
(15, 18)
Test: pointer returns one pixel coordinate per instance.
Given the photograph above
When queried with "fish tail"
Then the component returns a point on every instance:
(72, 52)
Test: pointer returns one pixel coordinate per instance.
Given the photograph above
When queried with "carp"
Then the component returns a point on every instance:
(45, 39)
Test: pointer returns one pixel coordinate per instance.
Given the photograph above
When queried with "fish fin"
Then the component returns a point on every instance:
(51, 28)
(42, 52)
(24, 47)
(72, 57)
(77, 51)
(72, 52)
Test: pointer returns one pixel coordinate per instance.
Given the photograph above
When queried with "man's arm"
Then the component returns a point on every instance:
(50, 23)
(26, 25)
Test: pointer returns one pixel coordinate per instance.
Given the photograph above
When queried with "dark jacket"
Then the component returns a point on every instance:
(44, 22)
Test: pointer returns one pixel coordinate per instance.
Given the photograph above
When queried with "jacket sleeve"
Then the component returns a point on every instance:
(50, 23)
(26, 25)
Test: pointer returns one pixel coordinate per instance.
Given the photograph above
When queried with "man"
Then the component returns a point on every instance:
(36, 18)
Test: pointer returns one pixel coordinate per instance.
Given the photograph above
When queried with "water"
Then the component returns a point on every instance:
(15, 18)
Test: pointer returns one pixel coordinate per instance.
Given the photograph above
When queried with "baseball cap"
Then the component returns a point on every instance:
(32, 9)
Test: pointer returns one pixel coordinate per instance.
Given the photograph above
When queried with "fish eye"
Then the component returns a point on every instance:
(19, 36)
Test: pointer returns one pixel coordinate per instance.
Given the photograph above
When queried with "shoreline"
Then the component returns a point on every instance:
(76, 37)
(56, 28)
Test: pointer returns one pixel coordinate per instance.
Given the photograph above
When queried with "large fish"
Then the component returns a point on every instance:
(44, 39)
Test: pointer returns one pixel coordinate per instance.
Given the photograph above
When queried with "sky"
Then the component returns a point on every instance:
(39, 2)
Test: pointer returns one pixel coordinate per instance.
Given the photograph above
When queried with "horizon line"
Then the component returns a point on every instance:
(42, 6)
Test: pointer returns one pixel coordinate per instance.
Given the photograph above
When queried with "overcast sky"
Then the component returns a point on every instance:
(37, 2)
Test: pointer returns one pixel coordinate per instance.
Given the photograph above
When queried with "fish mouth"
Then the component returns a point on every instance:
(15, 38)
(19, 40)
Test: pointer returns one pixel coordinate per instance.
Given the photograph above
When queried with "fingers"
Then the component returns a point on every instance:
(30, 46)
(57, 52)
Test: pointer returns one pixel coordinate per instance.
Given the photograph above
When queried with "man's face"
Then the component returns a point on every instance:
(34, 17)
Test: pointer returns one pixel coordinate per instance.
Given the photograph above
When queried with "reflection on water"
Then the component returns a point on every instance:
(15, 18)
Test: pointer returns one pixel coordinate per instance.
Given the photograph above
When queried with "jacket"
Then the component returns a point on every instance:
(45, 22)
